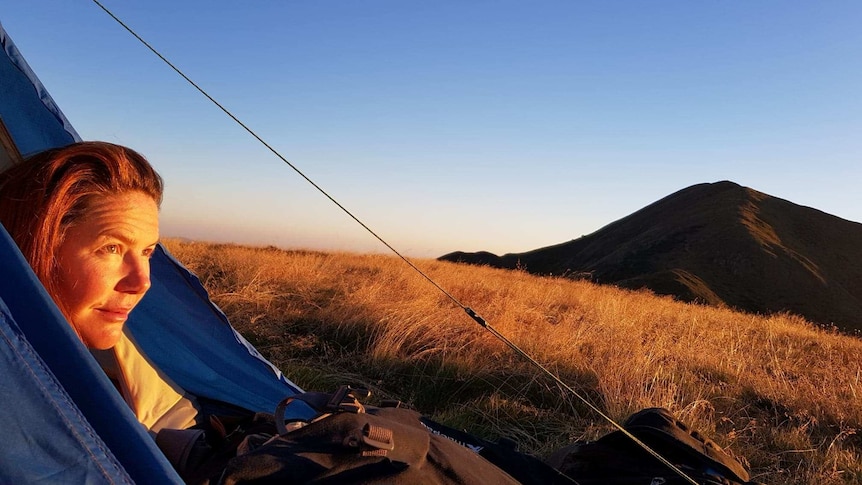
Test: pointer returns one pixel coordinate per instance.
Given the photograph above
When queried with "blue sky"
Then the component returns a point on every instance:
(459, 125)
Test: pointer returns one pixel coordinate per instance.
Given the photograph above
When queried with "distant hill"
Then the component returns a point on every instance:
(720, 244)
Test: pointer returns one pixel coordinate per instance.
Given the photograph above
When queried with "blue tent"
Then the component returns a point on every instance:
(61, 420)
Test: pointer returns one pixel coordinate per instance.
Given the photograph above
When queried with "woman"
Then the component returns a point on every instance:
(86, 218)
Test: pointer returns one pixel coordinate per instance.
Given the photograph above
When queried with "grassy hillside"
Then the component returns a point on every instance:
(775, 390)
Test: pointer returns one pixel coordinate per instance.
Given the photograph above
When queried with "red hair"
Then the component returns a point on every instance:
(51, 191)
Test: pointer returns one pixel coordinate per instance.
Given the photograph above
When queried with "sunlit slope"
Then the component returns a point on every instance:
(777, 390)
(721, 244)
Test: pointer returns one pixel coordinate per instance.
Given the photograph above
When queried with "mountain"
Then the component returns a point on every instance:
(719, 244)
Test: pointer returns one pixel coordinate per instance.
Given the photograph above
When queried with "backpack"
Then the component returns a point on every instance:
(615, 459)
(347, 443)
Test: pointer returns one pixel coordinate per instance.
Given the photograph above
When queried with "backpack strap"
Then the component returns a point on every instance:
(344, 400)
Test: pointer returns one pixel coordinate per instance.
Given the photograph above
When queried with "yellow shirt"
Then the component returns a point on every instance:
(156, 400)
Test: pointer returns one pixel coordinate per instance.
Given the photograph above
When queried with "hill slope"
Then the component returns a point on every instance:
(722, 244)
(774, 390)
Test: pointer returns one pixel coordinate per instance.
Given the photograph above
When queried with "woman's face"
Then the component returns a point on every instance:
(104, 265)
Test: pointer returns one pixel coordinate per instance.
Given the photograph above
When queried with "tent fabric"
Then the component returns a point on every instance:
(34, 405)
(33, 119)
(189, 338)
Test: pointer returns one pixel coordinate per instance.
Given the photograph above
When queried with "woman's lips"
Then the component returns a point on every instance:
(116, 314)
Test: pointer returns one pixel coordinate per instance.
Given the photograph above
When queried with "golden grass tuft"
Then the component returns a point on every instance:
(776, 390)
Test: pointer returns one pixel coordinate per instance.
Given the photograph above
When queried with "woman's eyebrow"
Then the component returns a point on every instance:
(117, 234)
(122, 236)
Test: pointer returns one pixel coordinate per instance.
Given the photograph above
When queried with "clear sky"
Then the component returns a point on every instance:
(458, 125)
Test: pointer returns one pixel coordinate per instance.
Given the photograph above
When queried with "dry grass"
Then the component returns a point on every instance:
(778, 391)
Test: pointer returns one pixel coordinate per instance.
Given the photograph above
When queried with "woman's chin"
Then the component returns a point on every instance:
(105, 338)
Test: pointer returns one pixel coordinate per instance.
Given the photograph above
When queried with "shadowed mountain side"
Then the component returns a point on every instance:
(721, 244)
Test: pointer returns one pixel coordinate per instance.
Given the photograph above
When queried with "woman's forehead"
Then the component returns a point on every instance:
(132, 215)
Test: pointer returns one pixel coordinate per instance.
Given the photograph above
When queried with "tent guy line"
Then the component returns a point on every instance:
(469, 311)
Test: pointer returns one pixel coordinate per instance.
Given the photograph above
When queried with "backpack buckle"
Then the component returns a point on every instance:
(346, 399)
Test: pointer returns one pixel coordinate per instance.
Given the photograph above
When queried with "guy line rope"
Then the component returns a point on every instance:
(476, 317)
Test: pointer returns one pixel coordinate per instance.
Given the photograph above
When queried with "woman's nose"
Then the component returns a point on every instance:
(137, 276)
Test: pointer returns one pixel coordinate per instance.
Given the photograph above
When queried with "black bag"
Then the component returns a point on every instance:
(615, 459)
(353, 443)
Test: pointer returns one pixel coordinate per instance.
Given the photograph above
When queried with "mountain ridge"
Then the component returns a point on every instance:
(720, 244)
